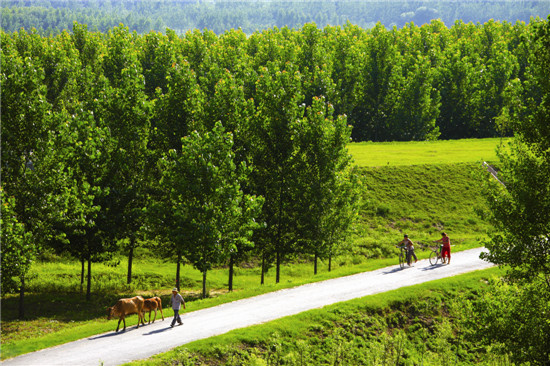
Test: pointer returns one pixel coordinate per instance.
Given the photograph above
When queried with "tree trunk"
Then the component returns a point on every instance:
(178, 272)
(278, 275)
(330, 262)
(315, 264)
(279, 233)
(230, 282)
(204, 284)
(22, 298)
(263, 268)
(82, 275)
(89, 286)
(130, 259)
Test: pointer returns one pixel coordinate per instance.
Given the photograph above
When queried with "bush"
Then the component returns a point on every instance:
(382, 210)
(513, 319)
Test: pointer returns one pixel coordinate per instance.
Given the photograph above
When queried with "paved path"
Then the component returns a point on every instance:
(117, 348)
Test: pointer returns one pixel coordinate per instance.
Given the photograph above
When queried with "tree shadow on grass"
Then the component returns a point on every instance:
(62, 306)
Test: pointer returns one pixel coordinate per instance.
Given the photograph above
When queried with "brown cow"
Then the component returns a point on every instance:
(154, 303)
(124, 307)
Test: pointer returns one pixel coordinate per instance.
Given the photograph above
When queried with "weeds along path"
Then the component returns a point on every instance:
(117, 348)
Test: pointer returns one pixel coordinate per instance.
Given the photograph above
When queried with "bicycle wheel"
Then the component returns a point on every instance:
(433, 258)
(401, 260)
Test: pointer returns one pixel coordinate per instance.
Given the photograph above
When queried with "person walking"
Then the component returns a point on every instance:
(408, 244)
(176, 300)
(446, 247)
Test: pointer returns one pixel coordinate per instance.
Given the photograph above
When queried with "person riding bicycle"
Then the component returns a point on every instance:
(445, 247)
(408, 244)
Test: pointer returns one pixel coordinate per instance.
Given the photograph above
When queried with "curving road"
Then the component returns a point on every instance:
(117, 348)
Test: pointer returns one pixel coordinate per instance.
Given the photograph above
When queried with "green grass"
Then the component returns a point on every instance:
(419, 199)
(417, 319)
(377, 154)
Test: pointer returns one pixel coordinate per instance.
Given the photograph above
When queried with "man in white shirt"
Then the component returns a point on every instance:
(176, 300)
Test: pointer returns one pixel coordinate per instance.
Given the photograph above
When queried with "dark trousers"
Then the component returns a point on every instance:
(411, 254)
(176, 317)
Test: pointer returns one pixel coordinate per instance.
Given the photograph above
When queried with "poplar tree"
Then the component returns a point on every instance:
(205, 203)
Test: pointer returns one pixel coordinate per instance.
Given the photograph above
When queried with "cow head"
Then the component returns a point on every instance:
(110, 313)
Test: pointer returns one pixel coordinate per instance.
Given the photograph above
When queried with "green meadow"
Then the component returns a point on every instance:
(415, 188)
(378, 154)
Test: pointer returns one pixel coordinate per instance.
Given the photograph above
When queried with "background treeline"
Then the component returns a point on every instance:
(413, 83)
(52, 16)
(212, 143)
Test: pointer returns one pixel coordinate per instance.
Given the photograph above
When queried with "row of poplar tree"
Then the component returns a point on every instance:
(216, 144)
(114, 136)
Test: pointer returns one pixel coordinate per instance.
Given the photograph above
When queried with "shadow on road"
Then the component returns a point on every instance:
(431, 268)
(128, 329)
(426, 268)
(397, 269)
(157, 331)
(105, 335)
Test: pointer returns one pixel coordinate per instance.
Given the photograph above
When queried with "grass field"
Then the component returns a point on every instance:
(377, 154)
(421, 200)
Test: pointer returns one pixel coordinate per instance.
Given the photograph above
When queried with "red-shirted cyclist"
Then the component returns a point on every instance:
(446, 247)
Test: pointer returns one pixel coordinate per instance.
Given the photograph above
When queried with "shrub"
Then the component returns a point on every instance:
(383, 210)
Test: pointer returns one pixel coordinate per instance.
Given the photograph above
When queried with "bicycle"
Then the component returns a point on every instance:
(404, 256)
(435, 255)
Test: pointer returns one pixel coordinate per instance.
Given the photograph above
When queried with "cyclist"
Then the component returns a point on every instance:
(408, 244)
(446, 247)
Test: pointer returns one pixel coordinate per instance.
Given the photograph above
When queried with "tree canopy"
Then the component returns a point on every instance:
(520, 209)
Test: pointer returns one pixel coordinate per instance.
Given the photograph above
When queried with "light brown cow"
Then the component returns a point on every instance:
(154, 303)
(125, 307)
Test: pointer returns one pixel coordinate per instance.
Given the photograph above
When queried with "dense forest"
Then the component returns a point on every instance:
(52, 16)
(413, 83)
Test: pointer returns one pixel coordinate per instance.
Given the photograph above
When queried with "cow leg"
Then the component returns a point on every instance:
(118, 325)
(161, 314)
(155, 316)
(141, 316)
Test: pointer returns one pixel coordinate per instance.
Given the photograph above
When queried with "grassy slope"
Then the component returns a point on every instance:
(421, 201)
(417, 199)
